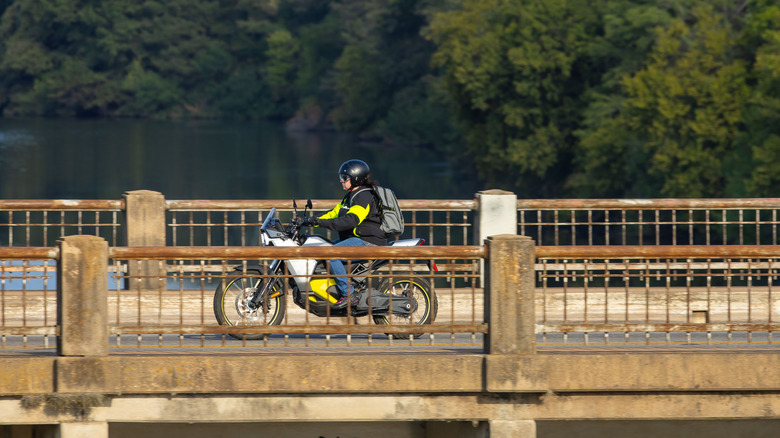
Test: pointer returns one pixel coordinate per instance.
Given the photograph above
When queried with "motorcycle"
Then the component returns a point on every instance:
(256, 295)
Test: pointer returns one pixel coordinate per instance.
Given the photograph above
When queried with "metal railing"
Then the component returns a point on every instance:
(650, 221)
(28, 292)
(441, 222)
(658, 295)
(236, 223)
(39, 223)
(179, 311)
(598, 296)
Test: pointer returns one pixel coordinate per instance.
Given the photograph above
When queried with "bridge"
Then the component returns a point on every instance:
(555, 318)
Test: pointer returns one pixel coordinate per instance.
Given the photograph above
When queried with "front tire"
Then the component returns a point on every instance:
(231, 303)
(420, 290)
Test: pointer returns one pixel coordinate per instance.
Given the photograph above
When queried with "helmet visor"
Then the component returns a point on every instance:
(343, 177)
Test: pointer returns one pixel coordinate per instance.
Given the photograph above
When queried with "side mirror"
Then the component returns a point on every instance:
(309, 204)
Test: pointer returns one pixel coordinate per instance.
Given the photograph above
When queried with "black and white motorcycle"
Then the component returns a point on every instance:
(257, 295)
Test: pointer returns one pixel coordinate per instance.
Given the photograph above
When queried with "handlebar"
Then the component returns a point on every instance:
(296, 223)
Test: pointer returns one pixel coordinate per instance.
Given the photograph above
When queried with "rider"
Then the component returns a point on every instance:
(356, 218)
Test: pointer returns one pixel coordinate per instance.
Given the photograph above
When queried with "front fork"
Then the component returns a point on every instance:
(267, 288)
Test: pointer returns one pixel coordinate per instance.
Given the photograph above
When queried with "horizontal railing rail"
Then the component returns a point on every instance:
(287, 253)
(650, 204)
(657, 252)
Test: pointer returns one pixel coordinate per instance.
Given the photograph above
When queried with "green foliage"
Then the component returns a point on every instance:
(280, 66)
(382, 77)
(76, 57)
(152, 94)
(631, 98)
(762, 133)
(517, 71)
(364, 64)
(359, 86)
(679, 116)
(544, 97)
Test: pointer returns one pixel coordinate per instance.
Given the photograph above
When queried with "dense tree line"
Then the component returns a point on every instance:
(545, 97)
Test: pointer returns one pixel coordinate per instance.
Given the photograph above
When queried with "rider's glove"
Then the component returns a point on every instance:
(310, 221)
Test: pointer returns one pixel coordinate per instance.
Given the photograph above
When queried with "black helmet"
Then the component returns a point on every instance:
(356, 170)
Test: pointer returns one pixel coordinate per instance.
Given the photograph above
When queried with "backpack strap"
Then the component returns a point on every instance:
(355, 194)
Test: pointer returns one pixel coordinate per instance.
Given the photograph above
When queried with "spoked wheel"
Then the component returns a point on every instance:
(417, 291)
(232, 306)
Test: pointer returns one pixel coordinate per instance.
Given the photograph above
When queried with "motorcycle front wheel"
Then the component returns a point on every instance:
(416, 289)
(232, 308)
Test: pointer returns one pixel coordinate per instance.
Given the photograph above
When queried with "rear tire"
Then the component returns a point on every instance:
(230, 303)
(419, 289)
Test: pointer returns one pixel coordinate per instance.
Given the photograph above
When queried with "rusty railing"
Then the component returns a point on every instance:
(180, 304)
(650, 221)
(441, 222)
(658, 295)
(609, 296)
(236, 223)
(28, 297)
(39, 223)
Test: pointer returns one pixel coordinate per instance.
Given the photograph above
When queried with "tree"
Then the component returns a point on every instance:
(606, 161)
(77, 57)
(518, 72)
(762, 115)
(680, 116)
(382, 77)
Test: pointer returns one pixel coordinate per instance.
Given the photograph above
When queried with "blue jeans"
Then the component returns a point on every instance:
(337, 266)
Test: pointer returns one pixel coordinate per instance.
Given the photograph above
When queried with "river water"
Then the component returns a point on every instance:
(101, 159)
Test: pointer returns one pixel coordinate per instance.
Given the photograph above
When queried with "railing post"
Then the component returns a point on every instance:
(509, 295)
(496, 213)
(144, 226)
(82, 301)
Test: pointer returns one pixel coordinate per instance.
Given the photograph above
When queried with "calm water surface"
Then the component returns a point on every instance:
(101, 159)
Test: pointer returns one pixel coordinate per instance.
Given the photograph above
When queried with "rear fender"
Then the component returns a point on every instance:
(414, 242)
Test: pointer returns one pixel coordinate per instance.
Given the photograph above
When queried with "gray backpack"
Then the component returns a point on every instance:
(389, 211)
(392, 218)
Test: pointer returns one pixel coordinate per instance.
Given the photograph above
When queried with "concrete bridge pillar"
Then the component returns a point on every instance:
(84, 430)
(512, 429)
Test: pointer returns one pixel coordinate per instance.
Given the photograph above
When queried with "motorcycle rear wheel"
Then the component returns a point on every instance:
(427, 304)
(231, 304)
